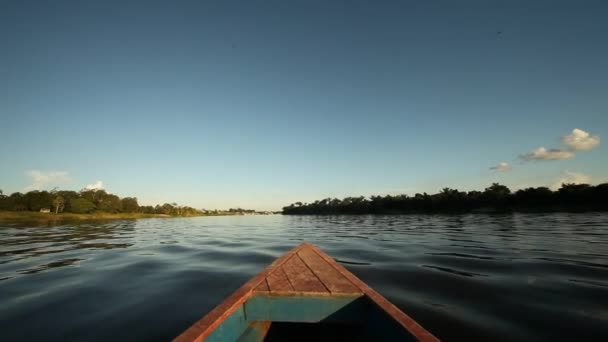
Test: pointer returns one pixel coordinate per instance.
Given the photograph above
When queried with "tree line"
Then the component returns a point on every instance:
(497, 197)
(86, 201)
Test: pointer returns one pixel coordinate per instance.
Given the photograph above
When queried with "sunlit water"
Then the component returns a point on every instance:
(482, 277)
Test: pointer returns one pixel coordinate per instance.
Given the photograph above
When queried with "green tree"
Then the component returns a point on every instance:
(167, 209)
(36, 200)
(496, 194)
(498, 189)
(534, 197)
(95, 196)
(177, 209)
(129, 205)
(82, 205)
(147, 209)
(109, 203)
(58, 204)
(16, 202)
(68, 197)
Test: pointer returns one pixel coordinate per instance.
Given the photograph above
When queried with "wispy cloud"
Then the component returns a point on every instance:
(95, 186)
(46, 179)
(542, 153)
(580, 140)
(577, 140)
(502, 167)
(571, 178)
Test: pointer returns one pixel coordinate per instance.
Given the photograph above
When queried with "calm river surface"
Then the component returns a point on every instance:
(483, 277)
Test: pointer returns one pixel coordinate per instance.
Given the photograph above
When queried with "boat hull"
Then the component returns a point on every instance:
(305, 287)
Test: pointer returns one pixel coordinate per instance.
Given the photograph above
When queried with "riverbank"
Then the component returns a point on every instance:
(496, 198)
(43, 217)
(34, 216)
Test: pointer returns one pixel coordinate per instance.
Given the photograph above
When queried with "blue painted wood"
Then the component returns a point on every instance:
(255, 332)
(244, 324)
(231, 329)
(306, 309)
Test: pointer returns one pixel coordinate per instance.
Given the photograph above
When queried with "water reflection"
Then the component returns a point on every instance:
(464, 277)
(460, 273)
(60, 263)
(26, 243)
(462, 255)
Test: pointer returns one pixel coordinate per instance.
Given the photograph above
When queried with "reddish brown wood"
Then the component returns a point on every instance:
(291, 274)
(302, 278)
(333, 280)
(202, 328)
(406, 321)
(278, 282)
(263, 287)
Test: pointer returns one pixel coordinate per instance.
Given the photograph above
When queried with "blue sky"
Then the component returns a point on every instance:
(260, 104)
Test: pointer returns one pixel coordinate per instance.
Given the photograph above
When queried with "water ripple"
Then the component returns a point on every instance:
(464, 277)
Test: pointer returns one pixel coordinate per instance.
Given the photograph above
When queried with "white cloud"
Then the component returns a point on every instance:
(95, 186)
(46, 179)
(571, 178)
(542, 153)
(502, 167)
(581, 140)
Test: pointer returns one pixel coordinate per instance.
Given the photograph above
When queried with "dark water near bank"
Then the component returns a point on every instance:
(483, 277)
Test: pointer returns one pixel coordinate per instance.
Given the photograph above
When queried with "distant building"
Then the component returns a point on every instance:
(45, 210)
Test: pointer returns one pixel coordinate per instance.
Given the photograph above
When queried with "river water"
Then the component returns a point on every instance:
(512, 277)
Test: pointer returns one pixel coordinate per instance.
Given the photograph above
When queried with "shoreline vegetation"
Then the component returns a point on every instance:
(89, 204)
(38, 216)
(496, 198)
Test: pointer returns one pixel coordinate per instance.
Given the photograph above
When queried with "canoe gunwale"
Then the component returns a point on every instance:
(205, 326)
(401, 317)
(200, 330)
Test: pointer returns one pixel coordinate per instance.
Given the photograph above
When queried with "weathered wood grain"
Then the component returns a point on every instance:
(263, 287)
(302, 278)
(301, 271)
(203, 327)
(333, 280)
(406, 321)
(278, 282)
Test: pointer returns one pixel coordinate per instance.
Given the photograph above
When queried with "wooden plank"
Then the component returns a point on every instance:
(206, 325)
(404, 320)
(263, 287)
(301, 277)
(334, 277)
(333, 280)
(278, 282)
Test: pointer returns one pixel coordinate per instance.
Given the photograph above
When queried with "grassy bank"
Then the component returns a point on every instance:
(34, 216)
(37, 216)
